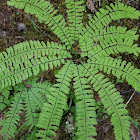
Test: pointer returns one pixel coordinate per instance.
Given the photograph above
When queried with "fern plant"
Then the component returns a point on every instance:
(85, 54)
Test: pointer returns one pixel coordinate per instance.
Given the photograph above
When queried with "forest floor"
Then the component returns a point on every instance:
(17, 26)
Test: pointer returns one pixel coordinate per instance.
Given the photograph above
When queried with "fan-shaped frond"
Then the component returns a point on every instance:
(120, 69)
(75, 11)
(12, 117)
(27, 59)
(45, 12)
(111, 100)
(52, 111)
(104, 17)
(85, 106)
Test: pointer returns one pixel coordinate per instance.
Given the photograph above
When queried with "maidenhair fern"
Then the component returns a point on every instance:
(85, 53)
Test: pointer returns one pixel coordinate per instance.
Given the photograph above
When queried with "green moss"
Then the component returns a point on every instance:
(2, 44)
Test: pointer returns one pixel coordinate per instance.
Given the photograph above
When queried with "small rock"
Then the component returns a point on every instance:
(21, 26)
(4, 33)
(90, 6)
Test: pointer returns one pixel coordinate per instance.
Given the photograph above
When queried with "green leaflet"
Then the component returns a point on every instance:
(83, 58)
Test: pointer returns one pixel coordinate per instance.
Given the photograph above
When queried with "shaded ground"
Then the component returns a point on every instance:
(11, 33)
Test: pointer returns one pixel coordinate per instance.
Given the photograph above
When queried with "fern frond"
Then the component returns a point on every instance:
(109, 44)
(12, 118)
(114, 32)
(85, 106)
(106, 47)
(75, 11)
(104, 17)
(120, 69)
(52, 111)
(27, 59)
(28, 99)
(111, 100)
(115, 46)
(45, 12)
(34, 99)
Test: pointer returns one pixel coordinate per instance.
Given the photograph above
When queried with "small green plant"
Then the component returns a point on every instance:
(5, 99)
(84, 54)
